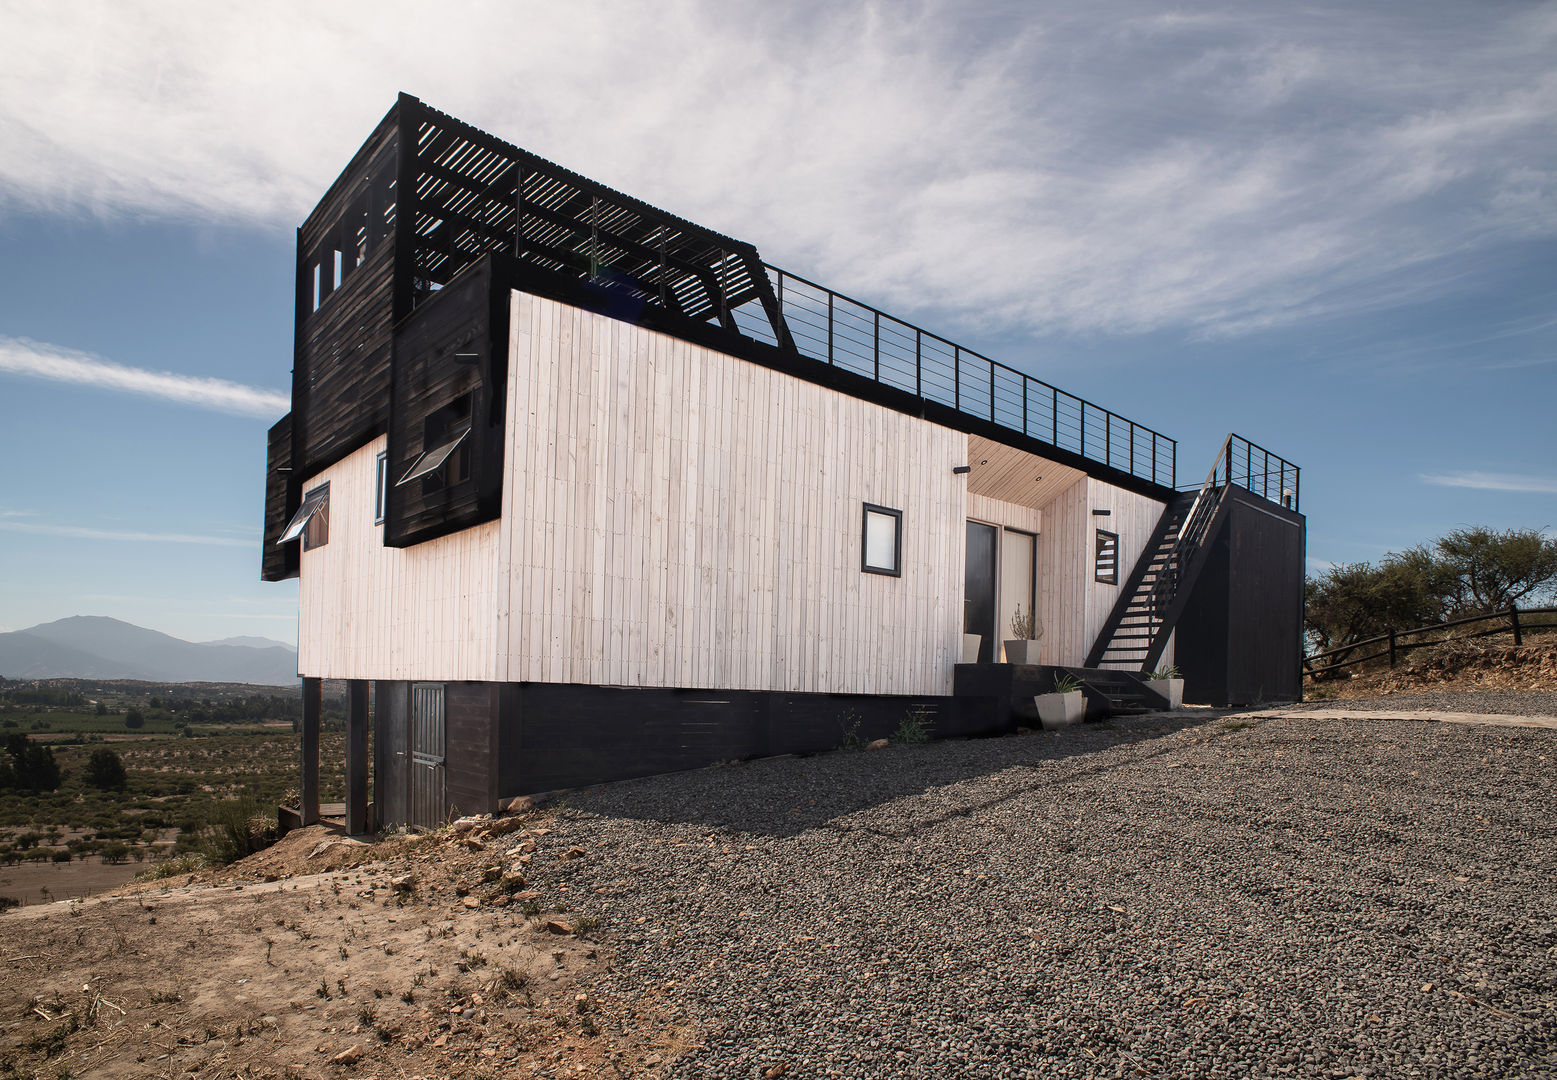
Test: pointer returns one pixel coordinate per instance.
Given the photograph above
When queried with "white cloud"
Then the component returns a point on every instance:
(82, 532)
(19, 356)
(1493, 481)
(1097, 168)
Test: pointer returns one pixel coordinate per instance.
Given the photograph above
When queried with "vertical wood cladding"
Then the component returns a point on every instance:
(1072, 605)
(471, 770)
(1240, 638)
(366, 611)
(678, 517)
(282, 487)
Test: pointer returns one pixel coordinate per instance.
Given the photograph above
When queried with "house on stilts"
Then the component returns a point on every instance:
(578, 490)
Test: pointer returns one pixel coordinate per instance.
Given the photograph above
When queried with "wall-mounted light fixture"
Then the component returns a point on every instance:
(1101, 513)
(962, 469)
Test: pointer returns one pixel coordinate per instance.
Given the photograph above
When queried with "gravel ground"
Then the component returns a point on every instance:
(1156, 897)
(1510, 702)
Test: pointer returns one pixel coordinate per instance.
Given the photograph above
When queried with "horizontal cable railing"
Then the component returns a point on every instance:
(856, 337)
(1255, 468)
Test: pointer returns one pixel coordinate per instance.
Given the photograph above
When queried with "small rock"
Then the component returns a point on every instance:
(471, 902)
(463, 825)
(491, 873)
(519, 804)
(557, 926)
(403, 883)
(653, 1059)
(776, 1071)
(572, 853)
(473, 844)
(875, 744)
(350, 1056)
(503, 826)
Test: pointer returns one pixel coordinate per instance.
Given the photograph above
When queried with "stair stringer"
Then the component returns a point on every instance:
(1172, 517)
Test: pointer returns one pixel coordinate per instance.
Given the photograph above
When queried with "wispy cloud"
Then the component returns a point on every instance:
(82, 532)
(1097, 167)
(1493, 481)
(19, 356)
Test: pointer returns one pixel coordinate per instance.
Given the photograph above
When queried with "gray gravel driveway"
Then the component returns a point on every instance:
(1153, 897)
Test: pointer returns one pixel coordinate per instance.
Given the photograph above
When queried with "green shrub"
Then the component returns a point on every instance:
(918, 725)
(114, 851)
(61, 855)
(237, 831)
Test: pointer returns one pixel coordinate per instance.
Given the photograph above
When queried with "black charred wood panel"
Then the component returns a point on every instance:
(282, 483)
(340, 371)
(450, 359)
(471, 761)
(557, 736)
(392, 752)
(342, 377)
(1240, 639)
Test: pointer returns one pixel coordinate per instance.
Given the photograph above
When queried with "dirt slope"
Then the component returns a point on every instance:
(323, 957)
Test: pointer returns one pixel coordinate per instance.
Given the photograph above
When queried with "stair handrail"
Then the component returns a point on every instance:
(1192, 531)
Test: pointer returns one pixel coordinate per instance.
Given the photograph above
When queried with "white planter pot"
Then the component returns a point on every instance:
(1172, 689)
(1060, 710)
(1021, 651)
(971, 644)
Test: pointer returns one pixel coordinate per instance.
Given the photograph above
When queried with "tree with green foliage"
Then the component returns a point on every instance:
(1485, 570)
(1470, 571)
(102, 709)
(104, 770)
(32, 765)
(133, 718)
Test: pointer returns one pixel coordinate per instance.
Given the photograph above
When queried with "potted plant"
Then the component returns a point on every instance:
(1063, 706)
(971, 644)
(1169, 682)
(1022, 646)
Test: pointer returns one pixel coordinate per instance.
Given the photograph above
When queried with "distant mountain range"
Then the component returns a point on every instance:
(95, 647)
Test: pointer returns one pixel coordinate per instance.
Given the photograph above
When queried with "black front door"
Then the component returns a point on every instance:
(978, 594)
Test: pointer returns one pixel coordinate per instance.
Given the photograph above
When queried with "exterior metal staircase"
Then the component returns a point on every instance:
(1154, 595)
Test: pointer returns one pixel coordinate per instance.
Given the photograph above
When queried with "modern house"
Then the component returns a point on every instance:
(577, 489)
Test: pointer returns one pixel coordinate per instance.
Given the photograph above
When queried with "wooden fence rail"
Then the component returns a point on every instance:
(1514, 618)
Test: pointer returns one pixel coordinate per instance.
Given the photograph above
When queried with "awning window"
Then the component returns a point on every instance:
(432, 460)
(312, 503)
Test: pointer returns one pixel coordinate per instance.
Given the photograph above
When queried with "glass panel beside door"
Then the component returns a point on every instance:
(978, 595)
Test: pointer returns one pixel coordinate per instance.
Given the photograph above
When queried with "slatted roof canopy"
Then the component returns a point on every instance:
(476, 193)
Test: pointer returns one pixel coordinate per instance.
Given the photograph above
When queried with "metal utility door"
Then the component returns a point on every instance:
(428, 800)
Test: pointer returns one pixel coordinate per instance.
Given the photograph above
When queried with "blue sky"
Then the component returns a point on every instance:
(1331, 228)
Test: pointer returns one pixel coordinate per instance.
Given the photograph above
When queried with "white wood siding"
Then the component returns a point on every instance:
(677, 517)
(1064, 565)
(371, 612)
(1133, 517)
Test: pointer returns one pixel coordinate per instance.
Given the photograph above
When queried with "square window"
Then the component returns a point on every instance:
(883, 541)
(381, 490)
(1106, 561)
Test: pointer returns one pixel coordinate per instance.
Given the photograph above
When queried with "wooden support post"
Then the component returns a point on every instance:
(1391, 647)
(356, 757)
(313, 700)
(1513, 614)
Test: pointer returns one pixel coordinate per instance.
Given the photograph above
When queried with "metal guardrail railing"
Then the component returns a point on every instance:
(1256, 469)
(848, 334)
